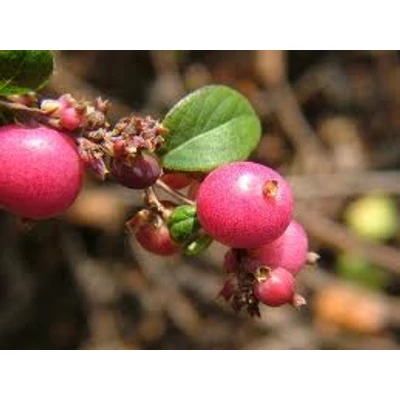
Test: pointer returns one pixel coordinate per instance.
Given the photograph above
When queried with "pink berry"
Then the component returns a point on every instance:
(244, 204)
(41, 172)
(151, 231)
(70, 119)
(289, 251)
(156, 239)
(137, 173)
(276, 289)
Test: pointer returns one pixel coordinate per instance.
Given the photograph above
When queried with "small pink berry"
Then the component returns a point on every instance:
(276, 288)
(244, 204)
(41, 172)
(155, 238)
(289, 251)
(138, 173)
(151, 231)
(70, 119)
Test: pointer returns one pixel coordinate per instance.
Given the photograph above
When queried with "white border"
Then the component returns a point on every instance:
(205, 24)
(198, 375)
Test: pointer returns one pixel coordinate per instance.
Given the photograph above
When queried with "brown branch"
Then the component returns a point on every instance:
(21, 107)
(298, 130)
(344, 184)
(288, 112)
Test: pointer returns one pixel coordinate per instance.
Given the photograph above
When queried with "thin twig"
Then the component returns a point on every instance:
(288, 112)
(20, 107)
(315, 186)
(152, 201)
(163, 186)
(298, 130)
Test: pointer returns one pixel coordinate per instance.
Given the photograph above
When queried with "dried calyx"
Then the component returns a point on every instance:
(125, 151)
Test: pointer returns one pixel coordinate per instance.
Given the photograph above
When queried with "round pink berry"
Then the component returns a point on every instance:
(70, 119)
(41, 172)
(156, 239)
(289, 251)
(244, 204)
(276, 289)
(151, 231)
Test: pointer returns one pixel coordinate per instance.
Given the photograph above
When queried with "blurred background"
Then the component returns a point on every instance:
(331, 125)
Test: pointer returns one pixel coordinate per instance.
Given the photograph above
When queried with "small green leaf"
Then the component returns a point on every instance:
(198, 245)
(22, 71)
(212, 126)
(183, 223)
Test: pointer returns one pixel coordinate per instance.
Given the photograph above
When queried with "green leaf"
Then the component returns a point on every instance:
(183, 223)
(212, 126)
(198, 245)
(22, 71)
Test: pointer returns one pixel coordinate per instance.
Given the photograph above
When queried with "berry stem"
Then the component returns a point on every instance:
(152, 201)
(163, 186)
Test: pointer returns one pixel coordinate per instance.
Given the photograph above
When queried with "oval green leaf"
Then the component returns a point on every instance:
(23, 71)
(212, 126)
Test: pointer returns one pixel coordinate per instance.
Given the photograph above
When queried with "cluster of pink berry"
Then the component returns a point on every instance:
(245, 206)
(248, 207)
